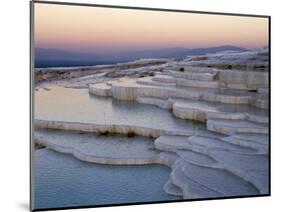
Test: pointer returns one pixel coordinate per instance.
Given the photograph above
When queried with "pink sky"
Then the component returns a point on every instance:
(84, 29)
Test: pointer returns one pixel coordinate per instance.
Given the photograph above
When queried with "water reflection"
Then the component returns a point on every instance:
(65, 104)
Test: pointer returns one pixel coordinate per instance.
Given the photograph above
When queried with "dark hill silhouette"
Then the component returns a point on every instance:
(55, 57)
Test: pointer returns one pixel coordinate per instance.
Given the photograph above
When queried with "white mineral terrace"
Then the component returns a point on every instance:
(198, 163)
(228, 157)
(221, 86)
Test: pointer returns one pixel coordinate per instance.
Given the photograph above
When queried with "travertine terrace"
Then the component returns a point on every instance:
(228, 92)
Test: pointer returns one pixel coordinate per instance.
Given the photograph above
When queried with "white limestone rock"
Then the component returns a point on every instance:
(257, 118)
(230, 127)
(195, 69)
(263, 90)
(117, 150)
(193, 75)
(255, 141)
(129, 89)
(218, 180)
(196, 158)
(248, 79)
(198, 144)
(150, 81)
(170, 188)
(203, 145)
(202, 111)
(108, 128)
(252, 168)
(198, 83)
(190, 188)
(100, 89)
(163, 78)
(159, 102)
(167, 158)
(186, 83)
(261, 103)
(172, 143)
(192, 110)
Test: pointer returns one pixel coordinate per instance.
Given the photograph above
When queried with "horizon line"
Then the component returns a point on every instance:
(152, 49)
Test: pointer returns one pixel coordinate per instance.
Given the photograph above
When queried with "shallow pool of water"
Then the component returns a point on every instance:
(66, 104)
(63, 181)
(105, 146)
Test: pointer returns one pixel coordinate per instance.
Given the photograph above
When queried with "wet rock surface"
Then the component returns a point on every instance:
(226, 92)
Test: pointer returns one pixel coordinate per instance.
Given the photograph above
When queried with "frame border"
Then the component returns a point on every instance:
(31, 100)
(31, 90)
(147, 8)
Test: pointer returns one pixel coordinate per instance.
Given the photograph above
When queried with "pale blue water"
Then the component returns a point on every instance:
(63, 181)
(117, 146)
(66, 104)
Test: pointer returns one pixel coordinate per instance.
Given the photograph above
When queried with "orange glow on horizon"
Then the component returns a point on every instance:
(81, 28)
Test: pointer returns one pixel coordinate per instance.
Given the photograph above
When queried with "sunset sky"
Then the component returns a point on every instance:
(92, 29)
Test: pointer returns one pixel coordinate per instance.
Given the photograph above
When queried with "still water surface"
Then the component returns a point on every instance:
(63, 181)
(66, 104)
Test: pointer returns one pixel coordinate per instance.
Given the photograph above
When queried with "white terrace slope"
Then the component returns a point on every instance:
(233, 104)
(199, 100)
(228, 158)
(221, 86)
(198, 162)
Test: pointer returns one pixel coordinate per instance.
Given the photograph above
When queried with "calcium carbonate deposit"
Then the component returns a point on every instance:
(206, 118)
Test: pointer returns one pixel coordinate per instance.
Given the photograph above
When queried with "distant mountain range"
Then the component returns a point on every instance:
(55, 57)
